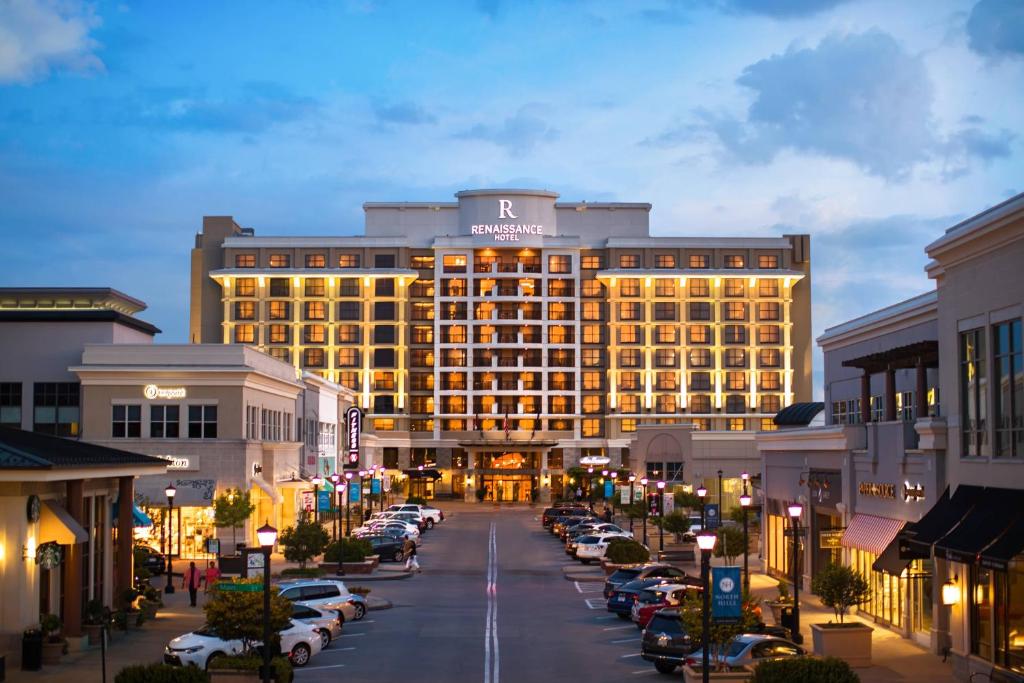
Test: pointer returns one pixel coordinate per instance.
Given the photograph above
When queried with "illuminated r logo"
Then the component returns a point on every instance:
(505, 209)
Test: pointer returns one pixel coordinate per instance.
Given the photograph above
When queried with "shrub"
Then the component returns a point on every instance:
(50, 625)
(161, 673)
(481, 493)
(784, 595)
(304, 541)
(348, 550)
(804, 670)
(416, 500)
(237, 615)
(840, 587)
(730, 543)
(359, 590)
(626, 551)
(283, 672)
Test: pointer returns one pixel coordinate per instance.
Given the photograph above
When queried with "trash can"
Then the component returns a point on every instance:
(32, 650)
(787, 620)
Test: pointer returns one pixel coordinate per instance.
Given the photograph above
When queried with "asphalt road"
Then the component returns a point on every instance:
(491, 605)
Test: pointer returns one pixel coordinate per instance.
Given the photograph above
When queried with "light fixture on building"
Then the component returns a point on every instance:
(950, 592)
(170, 491)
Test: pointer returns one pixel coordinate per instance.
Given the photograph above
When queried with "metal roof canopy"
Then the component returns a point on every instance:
(900, 358)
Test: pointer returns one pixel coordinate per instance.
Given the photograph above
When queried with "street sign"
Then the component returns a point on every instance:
(714, 520)
(726, 597)
(239, 587)
(254, 560)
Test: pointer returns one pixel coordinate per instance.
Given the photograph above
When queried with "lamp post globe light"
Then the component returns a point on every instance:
(701, 493)
(795, 510)
(169, 492)
(267, 536)
(661, 516)
(632, 478)
(706, 543)
(745, 501)
(335, 478)
(643, 483)
(348, 504)
(317, 481)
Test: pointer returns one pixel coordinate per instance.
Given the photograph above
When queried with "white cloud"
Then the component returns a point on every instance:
(37, 36)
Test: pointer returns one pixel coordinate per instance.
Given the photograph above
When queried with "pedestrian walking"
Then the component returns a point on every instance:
(607, 514)
(191, 580)
(212, 576)
(579, 494)
(411, 563)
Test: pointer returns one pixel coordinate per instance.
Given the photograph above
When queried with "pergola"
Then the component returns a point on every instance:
(919, 355)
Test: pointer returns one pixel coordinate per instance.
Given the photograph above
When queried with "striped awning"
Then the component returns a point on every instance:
(870, 533)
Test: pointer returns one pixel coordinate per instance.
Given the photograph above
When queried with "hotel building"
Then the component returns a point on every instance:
(496, 339)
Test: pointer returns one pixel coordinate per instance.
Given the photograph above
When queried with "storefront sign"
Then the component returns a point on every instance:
(181, 463)
(152, 391)
(507, 232)
(877, 490)
(913, 492)
(726, 601)
(825, 488)
(829, 539)
(354, 420)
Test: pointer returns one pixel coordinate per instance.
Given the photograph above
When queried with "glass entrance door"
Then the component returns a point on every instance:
(508, 488)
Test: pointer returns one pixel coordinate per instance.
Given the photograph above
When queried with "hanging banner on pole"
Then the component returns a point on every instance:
(669, 503)
(624, 495)
(608, 489)
(354, 491)
(324, 500)
(375, 486)
(726, 601)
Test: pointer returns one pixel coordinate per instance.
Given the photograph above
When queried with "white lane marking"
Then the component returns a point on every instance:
(361, 621)
(492, 665)
(626, 640)
(628, 656)
(314, 668)
(336, 649)
(351, 635)
(577, 584)
(617, 628)
(601, 603)
(610, 616)
(645, 672)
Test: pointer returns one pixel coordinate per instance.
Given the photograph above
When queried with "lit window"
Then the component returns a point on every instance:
(348, 260)
(769, 358)
(734, 287)
(768, 334)
(735, 310)
(591, 288)
(736, 381)
(629, 334)
(245, 260)
(592, 404)
(700, 358)
(768, 310)
(736, 424)
(314, 334)
(316, 261)
(630, 310)
(665, 261)
(734, 261)
(348, 334)
(278, 334)
(245, 310)
(665, 358)
(313, 358)
(560, 263)
(664, 287)
(629, 286)
(316, 310)
(735, 358)
(666, 334)
(698, 287)
(590, 310)
(629, 358)
(592, 380)
(590, 262)
(768, 424)
(245, 286)
(279, 310)
(314, 286)
(768, 287)
(245, 334)
(280, 260)
(592, 334)
(347, 358)
(592, 427)
(699, 261)
(629, 261)
(767, 261)
(700, 334)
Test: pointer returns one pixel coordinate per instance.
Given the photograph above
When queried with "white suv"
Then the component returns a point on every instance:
(430, 514)
(593, 546)
(325, 594)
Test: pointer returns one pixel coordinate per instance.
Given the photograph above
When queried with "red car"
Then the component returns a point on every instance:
(650, 600)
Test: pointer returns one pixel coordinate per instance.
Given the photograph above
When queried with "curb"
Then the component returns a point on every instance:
(356, 579)
(377, 603)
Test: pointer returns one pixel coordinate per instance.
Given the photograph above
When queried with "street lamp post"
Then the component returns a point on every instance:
(170, 491)
(702, 491)
(362, 498)
(632, 478)
(348, 504)
(614, 475)
(267, 536)
(643, 483)
(382, 473)
(661, 516)
(335, 478)
(745, 505)
(706, 543)
(795, 510)
(590, 488)
(719, 493)
(317, 481)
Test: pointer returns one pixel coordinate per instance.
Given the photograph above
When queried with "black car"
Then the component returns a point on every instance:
(390, 547)
(152, 560)
(620, 602)
(548, 518)
(623, 576)
(564, 516)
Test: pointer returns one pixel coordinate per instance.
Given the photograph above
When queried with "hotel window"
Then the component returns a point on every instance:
(383, 260)
(699, 261)
(767, 310)
(384, 286)
(666, 381)
(629, 358)
(734, 334)
(279, 334)
(561, 405)
(700, 310)
(592, 381)
(314, 334)
(561, 358)
(453, 287)
(629, 286)
(420, 404)
(348, 334)
(700, 334)
(698, 286)
(283, 355)
(735, 358)
(421, 358)
(453, 358)
(314, 286)
(974, 393)
(347, 358)
(735, 403)
(590, 262)
(629, 381)
(666, 334)
(453, 334)
(734, 310)
(665, 358)
(736, 381)
(422, 311)
(454, 263)
(349, 310)
(245, 286)
(591, 358)
(700, 381)
(769, 381)
(245, 310)
(453, 311)
(665, 310)
(245, 260)
(384, 310)
(590, 310)
(423, 262)
(560, 264)
(770, 404)
(592, 404)
(629, 425)
(769, 358)
(422, 288)
(839, 413)
(202, 422)
(734, 261)
(591, 288)
(664, 287)
(348, 260)
(558, 310)
(592, 334)
(316, 261)
(700, 358)
(734, 287)
(421, 381)
(280, 261)
(560, 288)
(384, 405)
(10, 404)
(348, 286)
(313, 358)
(629, 334)
(701, 424)
(665, 403)
(163, 422)
(629, 404)
(665, 261)
(383, 334)
(280, 286)
(767, 261)
(629, 261)
(700, 404)
(1008, 376)
(127, 421)
(630, 310)
(768, 287)
(559, 334)
(768, 334)
(55, 408)
(592, 427)
(245, 334)
(736, 424)
(316, 310)
(387, 425)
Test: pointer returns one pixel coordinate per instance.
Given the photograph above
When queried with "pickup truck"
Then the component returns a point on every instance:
(430, 514)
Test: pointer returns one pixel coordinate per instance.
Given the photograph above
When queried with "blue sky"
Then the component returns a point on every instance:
(871, 125)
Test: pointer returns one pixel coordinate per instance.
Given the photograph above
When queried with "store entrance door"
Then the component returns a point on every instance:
(508, 488)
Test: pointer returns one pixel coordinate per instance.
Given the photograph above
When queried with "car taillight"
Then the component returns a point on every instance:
(636, 599)
(690, 661)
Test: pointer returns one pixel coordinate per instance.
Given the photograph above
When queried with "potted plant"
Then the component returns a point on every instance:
(232, 509)
(304, 541)
(623, 552)
(53, 643)
(784, 599)
(95, 614)
(131, 609)
(841, 587)
(720, 636)
(238, 615)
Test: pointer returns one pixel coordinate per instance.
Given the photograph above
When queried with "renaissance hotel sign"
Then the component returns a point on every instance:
(507, 231)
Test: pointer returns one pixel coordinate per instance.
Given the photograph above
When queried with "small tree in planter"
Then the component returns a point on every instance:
(54, 644)
(783, 599)
(231, 509)
(238, 615)
(730, 543)
(626, 551)
(720, 634)
(304, 541)
(841, 587)
(416, 500)
(677, 524)
(95, 614)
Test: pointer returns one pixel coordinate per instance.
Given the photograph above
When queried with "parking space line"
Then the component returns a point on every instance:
(337, 649)
(314, 668)
(617, 628)
(601, 603)
(351, 635)
(645, 672)
(626, 640)
(635, 654)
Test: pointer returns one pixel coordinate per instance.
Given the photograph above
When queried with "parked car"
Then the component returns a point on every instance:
(549, 515)
(654, 569)
(327, 622)
(650, 600)
(593, 547)
(620, 602)
(411, 518)
(300, 641)
(604, 528)
(390, 547)
(153, 560)
(410, 531)
(431, 514)
(665, 642)
(750, 649)
(400, 534)
(565, 516)
(325, 594)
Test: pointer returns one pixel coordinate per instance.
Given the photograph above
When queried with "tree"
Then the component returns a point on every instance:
(686, 500)
(677, 523)
(730, 543)
(231, 509)
(840, 587)
(721, 633)
(304, 541)
(238, 615)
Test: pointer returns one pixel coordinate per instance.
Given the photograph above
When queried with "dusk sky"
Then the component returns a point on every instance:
(873, 126)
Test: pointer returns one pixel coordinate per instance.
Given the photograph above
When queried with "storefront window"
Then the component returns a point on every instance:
(886, 602)
(997, 615)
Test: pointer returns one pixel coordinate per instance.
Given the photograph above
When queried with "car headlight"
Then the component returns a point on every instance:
(193, 650)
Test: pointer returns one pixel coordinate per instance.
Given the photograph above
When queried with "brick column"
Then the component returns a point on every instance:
(921, 391)
(865, 397)
(890, 395)
(72, 570)
(123, 569)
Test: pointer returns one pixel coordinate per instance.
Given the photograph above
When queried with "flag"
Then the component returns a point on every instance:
(507, 427)
(536, 421)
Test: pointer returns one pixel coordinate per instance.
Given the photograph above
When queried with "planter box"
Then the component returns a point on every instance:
(233, 676)
(375, 559)
(364, 567)
(52, 652)
(94, 632)
(742, 675)
(329, 567)
(849, 642)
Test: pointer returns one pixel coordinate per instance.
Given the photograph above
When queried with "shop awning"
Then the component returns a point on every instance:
(990, 518)
(998, 555)
(871, 533)
(139, 518)
(889, 561)
(275, 497)
(940, 520)
(56, 525)
(417, 473)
